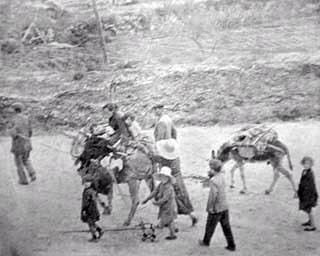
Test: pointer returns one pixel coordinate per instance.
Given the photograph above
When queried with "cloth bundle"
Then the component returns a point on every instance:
(255, 138)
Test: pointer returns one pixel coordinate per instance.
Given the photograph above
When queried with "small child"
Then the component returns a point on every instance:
(307, 192)
(140, 141)
(165, 198)
(89, 210)
(133, 125)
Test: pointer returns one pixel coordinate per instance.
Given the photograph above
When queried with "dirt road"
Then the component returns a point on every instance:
(37, 214)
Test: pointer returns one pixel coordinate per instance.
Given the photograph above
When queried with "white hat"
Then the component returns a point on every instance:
(165, 171)
(168, 149)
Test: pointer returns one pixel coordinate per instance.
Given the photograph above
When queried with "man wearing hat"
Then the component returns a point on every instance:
(217, 207)
(21, 133)
(168, 155)
(164, 128)
(115, 119)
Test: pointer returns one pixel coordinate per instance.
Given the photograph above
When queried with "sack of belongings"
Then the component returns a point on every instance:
(78, 144)
(100, 132)
(253, 140)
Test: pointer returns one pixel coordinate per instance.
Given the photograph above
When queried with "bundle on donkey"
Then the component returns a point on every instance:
(257, 144)
(137, 166)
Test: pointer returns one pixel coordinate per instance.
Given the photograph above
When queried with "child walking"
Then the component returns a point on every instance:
(165, 198)
(217, 207)
(89, 210)
(307, 192)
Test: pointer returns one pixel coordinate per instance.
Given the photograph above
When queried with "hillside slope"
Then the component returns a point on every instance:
(208, 61)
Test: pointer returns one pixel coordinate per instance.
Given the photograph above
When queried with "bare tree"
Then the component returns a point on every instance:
(100, 30)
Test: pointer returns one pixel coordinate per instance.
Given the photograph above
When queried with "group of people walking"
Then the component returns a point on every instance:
(171, 195)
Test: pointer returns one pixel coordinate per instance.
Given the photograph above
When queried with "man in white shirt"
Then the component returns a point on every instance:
(164, 128)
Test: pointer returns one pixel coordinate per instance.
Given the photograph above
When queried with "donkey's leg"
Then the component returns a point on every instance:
(150, 183)
(276, 176)
(288, 175)
(110, 197)
(134, 194)
(243, 178)
(232, 171)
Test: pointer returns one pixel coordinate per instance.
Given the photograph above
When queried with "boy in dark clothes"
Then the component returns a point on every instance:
(307, 192)
(89, 210)
(217, 207)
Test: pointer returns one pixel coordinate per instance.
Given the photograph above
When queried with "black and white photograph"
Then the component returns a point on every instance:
(159, 127)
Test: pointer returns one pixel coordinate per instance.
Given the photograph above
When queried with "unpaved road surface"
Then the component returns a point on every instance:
(35, 216)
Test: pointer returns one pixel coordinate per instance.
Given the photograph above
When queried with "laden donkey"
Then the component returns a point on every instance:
(137, 166)
(273, 154)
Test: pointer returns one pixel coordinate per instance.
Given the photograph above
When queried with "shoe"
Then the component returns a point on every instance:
(230, 248)
(100, 233)
(201, 243)
(308, 223)
(93, 240)
(310, 229)
(194, 221)
(23, 183)
(171, 237)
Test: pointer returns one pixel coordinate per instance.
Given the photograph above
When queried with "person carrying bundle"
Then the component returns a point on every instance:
(21, 133)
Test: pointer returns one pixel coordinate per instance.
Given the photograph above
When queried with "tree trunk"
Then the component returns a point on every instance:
(100, 30)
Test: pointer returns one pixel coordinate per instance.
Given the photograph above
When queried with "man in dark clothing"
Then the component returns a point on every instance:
(21, 133)
(217, 207)
(116, 121)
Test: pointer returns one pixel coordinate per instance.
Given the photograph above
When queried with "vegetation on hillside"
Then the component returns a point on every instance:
(213, 61)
